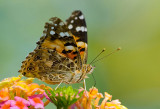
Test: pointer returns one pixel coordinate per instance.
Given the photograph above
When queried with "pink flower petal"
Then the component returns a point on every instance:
(39, 106)
(15, 107)
(39, 95)
(23, 100)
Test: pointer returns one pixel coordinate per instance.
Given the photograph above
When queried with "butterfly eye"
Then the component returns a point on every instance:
(89, 68)
(30, 68)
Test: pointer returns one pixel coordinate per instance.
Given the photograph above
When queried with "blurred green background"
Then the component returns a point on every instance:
(131, 75)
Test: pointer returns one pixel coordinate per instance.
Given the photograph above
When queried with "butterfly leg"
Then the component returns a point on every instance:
(58, 85)
(84, 84)
(85, 90)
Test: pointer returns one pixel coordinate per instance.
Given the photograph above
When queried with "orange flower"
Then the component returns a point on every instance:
(4, 94)
(91, 100)
(93, 92)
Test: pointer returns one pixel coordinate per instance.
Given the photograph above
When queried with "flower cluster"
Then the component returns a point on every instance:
(91, 100)
(16, 93)
(63, 97)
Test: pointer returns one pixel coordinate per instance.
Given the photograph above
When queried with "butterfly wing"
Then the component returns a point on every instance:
(56, 56)
(77, 25)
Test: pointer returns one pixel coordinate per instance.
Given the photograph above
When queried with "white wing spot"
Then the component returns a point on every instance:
(62, 34)
(78, 29)
(69, 47)
(52, 32)
(81, 17)
(80, 44)
(82, 28)
(85, 29)
(75, 18)
(67, 33)
(55, 24)
(72, 21)
(70, 26)
(52, 27)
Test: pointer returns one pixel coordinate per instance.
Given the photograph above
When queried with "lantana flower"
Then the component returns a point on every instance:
(90, 100)
(17, 93)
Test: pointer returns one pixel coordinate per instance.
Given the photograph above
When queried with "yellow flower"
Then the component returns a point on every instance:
(99, 96)
(7, 82)
(33, 88)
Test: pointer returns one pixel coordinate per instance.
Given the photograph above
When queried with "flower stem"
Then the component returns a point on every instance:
(46, 103)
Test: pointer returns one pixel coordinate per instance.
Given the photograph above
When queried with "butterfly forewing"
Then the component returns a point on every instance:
(58, 37)
(77, 25)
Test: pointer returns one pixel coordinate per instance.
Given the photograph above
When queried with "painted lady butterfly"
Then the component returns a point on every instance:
(61, 53)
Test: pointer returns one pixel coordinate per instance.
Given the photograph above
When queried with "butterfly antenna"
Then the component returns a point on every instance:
(108, 55)
(97, 55)
(101, 59)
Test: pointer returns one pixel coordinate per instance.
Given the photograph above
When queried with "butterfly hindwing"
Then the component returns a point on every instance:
(77, 25)
(48, 66)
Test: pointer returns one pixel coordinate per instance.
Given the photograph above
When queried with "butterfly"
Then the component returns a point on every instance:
(61, 53)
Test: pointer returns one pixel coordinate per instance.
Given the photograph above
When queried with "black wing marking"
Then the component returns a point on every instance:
(77, 25)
